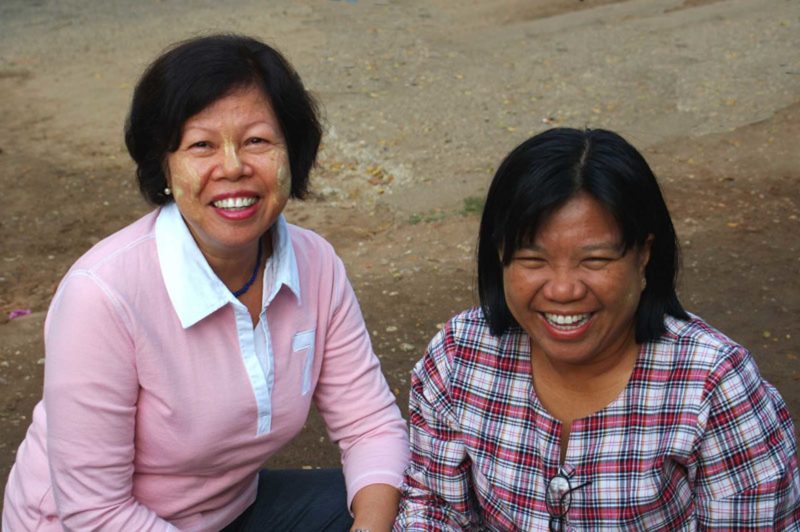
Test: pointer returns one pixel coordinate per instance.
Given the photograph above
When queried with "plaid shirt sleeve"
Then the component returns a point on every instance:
(437, 490)
(747, 466)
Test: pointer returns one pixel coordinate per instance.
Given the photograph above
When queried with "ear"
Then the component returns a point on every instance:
(644, 253)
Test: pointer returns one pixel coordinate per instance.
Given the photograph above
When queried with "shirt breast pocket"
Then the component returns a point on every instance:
(303, 345)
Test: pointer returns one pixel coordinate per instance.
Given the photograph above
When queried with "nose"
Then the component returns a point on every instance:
(564, 286)
(232, 165)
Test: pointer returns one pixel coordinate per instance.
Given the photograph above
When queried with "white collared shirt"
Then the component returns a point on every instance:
(196, 291)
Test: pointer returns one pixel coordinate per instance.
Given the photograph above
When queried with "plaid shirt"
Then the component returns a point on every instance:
(697, 440)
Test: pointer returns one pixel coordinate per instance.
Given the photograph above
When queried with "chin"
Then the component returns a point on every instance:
(572, 354)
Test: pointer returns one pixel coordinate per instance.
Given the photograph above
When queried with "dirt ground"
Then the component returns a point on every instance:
(421, 101)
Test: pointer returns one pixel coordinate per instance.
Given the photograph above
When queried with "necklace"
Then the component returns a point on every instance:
(240, 292)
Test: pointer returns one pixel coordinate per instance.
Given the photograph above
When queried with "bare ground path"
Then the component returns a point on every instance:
(421, 101)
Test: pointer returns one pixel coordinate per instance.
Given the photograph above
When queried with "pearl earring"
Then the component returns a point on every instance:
(167, 191)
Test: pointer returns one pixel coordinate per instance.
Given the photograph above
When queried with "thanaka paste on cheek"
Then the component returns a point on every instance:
(284, 177)
(188, 178)
(284, 181)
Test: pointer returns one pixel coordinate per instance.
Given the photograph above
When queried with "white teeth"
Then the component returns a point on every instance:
(561, 319)
(234, 203)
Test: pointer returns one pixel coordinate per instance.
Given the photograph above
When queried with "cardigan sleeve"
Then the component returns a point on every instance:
(90, 392)
(747, 475)
(353, 398)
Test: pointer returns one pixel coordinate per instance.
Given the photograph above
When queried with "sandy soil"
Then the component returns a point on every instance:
(421, 100)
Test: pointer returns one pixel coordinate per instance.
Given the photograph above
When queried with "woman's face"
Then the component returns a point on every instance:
(230, 174)
(573, 290)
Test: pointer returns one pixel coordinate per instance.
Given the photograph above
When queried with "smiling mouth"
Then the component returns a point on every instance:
(566, 321)
(234, 204)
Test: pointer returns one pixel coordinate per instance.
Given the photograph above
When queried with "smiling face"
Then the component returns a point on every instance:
(573, 290)
(230, 174)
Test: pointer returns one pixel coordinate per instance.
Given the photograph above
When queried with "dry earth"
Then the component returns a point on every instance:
(421, 100)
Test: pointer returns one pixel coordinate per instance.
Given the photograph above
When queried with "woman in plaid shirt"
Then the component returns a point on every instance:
(581, 395)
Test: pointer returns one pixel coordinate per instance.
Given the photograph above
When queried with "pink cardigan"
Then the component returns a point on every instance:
(162, 402)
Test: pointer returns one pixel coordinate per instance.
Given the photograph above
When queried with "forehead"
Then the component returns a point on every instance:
(581, 219)
(240, 103)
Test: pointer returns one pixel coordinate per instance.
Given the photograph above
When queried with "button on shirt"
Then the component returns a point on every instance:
(162, 401)
(696, 440)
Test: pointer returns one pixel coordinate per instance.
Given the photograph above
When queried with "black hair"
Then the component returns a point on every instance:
(544, 173)
(194, 74)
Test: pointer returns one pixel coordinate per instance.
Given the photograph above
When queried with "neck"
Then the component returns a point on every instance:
(236, 269)
(570, 392)
(590, 377)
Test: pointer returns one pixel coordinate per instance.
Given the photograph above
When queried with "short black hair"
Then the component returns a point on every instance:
(544, 173)
(194, 74)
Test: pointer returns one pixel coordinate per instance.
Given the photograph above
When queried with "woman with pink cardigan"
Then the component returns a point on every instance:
(187, 348)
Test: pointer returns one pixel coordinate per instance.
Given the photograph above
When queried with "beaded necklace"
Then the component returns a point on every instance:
(240, 292)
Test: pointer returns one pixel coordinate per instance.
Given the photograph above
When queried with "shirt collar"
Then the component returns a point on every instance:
(194, 289)
(282, 265)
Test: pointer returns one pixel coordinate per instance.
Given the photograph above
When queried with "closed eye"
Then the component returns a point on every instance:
(597, 263)
(530, 261)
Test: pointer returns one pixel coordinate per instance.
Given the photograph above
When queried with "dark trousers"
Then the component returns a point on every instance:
(297, 499)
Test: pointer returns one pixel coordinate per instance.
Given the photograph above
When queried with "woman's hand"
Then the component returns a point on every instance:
(375, 507)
